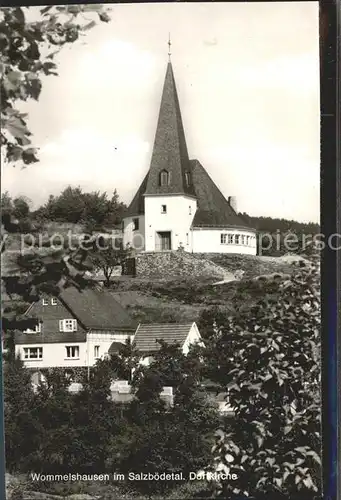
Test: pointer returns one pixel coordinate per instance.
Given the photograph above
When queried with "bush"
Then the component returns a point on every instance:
(272, 367)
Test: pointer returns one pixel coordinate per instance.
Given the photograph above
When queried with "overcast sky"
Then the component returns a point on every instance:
(248, 82)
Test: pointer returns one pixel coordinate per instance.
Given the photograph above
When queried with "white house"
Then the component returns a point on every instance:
(75, 329)
(178, 204)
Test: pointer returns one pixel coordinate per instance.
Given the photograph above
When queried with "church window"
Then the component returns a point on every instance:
(223, 238)
(248, 240)
(243, 239)
(190, 210)
(230, 239)
(164, 179)
(237, 237)
(188, 178)
(163, 209)
(136, 224)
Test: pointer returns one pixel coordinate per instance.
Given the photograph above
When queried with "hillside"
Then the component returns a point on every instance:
(181, 299)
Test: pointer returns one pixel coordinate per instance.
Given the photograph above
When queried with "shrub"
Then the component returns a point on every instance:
(272, 367)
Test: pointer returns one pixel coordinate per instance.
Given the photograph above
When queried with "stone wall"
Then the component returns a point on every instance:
(176, 264)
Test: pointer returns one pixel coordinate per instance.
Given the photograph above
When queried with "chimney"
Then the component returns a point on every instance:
(233, 202)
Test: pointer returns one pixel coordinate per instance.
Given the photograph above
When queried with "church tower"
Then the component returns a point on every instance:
(178, 205)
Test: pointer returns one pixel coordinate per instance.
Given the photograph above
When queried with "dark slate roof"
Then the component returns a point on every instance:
(136, 207)
(49, 338)
(147, 335)
(170, 150)
(96, 309)
(213, 208)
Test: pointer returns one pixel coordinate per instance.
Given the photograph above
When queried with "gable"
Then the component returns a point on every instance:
(51, 314)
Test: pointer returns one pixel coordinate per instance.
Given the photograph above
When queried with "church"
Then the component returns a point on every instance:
(178, 205)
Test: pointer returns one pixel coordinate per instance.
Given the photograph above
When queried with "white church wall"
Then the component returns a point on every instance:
(236, 241)
(178, 218)
(135, 238)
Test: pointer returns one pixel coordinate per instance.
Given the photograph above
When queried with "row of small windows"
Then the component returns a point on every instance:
(165, 178)
(71, 352)
(236, 239)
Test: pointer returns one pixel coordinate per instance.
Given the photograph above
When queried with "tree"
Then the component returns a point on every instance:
(172, 439)
(271, 365)
(28, 48)
(21, 429)
(106, 255)
(94, 210)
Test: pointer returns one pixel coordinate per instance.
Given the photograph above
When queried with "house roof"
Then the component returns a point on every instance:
(96, 309)
(49, 338)
(147, 335)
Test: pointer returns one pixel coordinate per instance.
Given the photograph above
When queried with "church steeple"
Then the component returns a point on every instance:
(169, 168)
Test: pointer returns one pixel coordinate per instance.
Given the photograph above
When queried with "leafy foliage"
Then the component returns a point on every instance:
(270, 363)
(94, 209)
(28, 49)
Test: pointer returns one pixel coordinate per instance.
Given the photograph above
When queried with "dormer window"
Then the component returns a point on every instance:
(54, 301)
(188, 178)
(164, 179)
(68, 325)
(45, 302)
(35, 329)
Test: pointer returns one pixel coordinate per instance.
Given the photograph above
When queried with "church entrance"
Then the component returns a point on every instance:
(163, 241)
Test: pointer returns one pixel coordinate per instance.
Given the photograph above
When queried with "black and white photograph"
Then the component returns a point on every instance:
(160, 251)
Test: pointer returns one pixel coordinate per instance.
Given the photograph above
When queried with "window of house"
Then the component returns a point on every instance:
(96, 351)
(163, 209)
(136, 224)
(72, 351)
(248, 240)
(187, 239)
(53, 301)
(243, 239)
(33, 353)
(190, 210)
(45, 302)
(237, 239)
(164, 179)
(223, 238)
(188, 178)
(35, 329)
(230, 239)
(68, 325)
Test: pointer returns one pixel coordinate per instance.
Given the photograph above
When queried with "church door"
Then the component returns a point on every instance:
(163, 241)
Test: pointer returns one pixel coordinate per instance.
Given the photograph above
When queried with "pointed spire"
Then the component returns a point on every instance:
(169, 47)
(170, 154)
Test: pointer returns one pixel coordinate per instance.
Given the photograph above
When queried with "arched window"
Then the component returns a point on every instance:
(164, 179)
(188, 178)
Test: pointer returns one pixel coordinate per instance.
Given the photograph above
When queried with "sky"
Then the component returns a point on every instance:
(247, 76)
